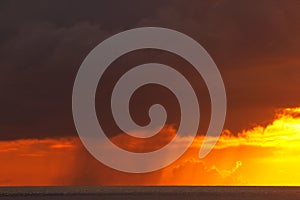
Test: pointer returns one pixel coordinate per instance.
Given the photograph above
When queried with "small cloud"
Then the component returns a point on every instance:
(8, 149)
(32, 154)
(61, 146)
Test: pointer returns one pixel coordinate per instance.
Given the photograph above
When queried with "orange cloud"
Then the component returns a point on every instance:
(262, 155)
(269, 155)
(140, 145)
(35, 162)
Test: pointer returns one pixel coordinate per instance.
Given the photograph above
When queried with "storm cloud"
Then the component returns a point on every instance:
(256, 46)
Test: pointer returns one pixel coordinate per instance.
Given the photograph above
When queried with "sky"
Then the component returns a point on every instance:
(256, 46)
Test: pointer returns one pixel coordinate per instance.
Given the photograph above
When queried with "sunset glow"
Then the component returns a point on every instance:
(261, 155)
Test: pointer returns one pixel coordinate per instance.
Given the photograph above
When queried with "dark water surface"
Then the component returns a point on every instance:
(156, 193)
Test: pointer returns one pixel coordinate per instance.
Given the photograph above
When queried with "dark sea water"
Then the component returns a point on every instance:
(156, 193)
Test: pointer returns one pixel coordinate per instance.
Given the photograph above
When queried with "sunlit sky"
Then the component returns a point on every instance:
(260, 155)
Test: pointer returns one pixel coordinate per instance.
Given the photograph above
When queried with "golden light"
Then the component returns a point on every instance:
(262, 155)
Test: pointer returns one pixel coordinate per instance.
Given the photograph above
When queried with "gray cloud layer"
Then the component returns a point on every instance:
(256, 45)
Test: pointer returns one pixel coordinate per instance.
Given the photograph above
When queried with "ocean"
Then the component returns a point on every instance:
(153, 192)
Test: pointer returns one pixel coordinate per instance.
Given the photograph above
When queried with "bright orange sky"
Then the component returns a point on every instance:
(260, 155)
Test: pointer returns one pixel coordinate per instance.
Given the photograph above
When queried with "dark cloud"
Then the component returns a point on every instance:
(256, 46)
